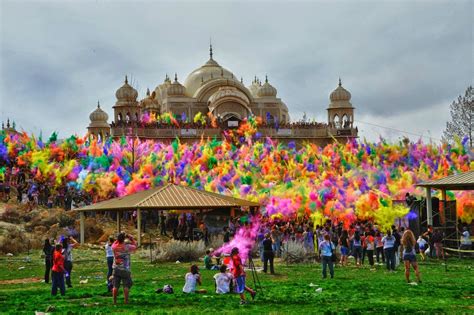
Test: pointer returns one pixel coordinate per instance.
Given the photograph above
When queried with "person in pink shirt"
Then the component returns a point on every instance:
(121, 266)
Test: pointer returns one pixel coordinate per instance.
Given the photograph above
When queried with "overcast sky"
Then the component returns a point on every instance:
(404, 62)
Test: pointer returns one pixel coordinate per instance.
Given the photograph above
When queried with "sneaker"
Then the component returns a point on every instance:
(253, 294)
(243, 302)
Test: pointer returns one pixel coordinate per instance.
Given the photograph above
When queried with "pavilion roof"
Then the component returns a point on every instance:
(170, 197)
(461, 181)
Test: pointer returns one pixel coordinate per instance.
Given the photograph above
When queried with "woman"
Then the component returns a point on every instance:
(48, 259)
(370, 246)
(379, 247)
(357, 247)
(389, 249)
(326, 249)
(68, 244)
(344, 243)
(409, 255)
(109, 254)
(58, 272)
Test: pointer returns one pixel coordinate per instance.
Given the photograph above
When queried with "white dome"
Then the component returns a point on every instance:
(209, 71)
(126, 92)
(176, 88)
(98, 118)
(340, 94)
(267, 90)
(253, 88)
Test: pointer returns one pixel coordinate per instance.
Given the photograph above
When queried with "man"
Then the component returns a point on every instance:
(276, 238)
(428, 235)
(226, 235)
(268, 254)
(239, 276)
(121, 267)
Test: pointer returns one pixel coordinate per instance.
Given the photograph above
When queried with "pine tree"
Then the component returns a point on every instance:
(462, 118)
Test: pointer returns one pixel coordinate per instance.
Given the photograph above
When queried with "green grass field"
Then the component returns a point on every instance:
(353, 290)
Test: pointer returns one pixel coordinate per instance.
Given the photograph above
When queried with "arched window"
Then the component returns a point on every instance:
(120, 117)
(345, 121)
(128, 118)
(336, 121)
(136, 117)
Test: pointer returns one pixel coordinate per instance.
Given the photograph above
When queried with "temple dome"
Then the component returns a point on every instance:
(98, 117)
(340, 94)
(126, 92)
(267, 90)
(149, 102)
(209, 71)
(253, 88)
(176, 88)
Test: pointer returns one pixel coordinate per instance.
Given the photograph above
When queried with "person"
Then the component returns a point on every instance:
(223, 280)
(238, 273)
(48, 251)
(192, 279)
(438, 243)
(370, 246)
(226, 235)
(428, 235)
(388, 247)
(109, 255)
(344, 245)
(466, 242)
(268, 254)
(409, 255)
(163, 224)
(121, 267)
(276, 238)
(357, 247)
(308, 237)
(68, 244)
(208, 261)
(326, 249)
(422, 246)
(379, 248)
(396, 245)
(58, 272)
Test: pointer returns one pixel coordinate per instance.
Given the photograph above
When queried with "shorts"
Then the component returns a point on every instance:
(344, 250)
(240, 284)
(120, 275)
(409, 257)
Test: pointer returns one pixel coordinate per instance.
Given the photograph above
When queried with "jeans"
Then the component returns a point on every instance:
(370, 256)
(268, 257)
(390, 258)
(110, 262)
(58, 282)
(276, 248)
(378, 252)
(47, 269)
(68, 268)
(327, 260)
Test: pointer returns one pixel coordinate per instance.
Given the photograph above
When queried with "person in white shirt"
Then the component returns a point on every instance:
(422, 246)
(466, 242)
(109, 255)
(192, 279)
(223, 280)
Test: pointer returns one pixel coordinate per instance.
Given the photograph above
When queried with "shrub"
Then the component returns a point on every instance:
(14, 241)
(294, 252)
(11, 215)
(65, 220)
(174, 250)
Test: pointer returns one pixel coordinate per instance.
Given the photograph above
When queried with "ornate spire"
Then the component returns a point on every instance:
(175, 77)
(8, 122)
(147, 92)
(266, 78)
(98, 104)
(126, 79)
(210, 48)
(241, 80)
(340, 84)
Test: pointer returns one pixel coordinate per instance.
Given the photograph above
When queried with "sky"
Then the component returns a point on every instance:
(404, 62)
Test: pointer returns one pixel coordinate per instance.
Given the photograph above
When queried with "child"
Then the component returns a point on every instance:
(223, 280)
(239, 275)
(422, 246)
(208, 261)
(58, 271)
(193, 278)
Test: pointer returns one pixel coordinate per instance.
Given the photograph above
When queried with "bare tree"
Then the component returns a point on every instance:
(462, 118)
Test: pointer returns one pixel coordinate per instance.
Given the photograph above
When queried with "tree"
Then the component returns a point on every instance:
(462, 118)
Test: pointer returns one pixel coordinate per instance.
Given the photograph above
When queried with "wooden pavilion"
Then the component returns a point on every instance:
(167, 197)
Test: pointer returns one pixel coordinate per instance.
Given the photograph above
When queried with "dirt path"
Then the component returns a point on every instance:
(21, 281)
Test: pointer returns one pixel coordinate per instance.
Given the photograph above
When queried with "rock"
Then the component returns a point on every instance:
(40, 229)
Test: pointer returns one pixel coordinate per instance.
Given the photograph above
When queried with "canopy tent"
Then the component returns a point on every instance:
(461, 181)
(167, 197)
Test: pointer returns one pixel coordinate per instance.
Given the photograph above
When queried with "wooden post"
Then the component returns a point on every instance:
(118, 213)
(444, 204)
(139, 227)
(429, 208)
(81, 218)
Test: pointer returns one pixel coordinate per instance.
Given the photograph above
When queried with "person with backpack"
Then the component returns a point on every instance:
(409, 255)
(326, 251)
